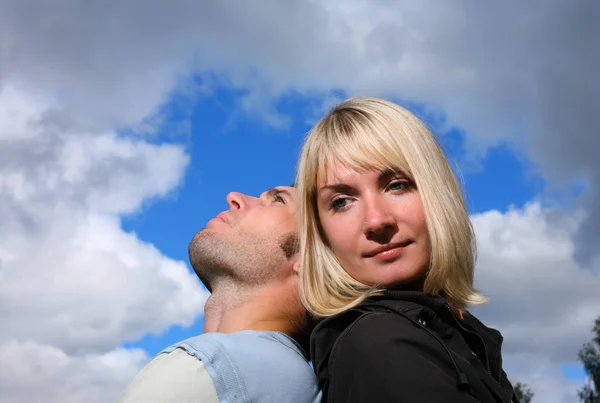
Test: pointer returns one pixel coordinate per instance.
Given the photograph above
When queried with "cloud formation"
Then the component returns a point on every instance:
(522, 73)
(544, 302)
(73, 285)
(43, 372)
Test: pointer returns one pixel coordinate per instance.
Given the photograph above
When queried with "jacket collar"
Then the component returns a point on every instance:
(490, 337)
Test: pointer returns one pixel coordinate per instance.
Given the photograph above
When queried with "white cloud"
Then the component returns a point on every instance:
(543, 376)
(85, 285)
(73, 285)
(543, 301)
(35, 372)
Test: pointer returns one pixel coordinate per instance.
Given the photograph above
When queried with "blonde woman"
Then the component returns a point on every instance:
(387, 256)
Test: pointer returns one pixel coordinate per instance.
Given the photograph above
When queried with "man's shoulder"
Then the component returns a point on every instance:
(174, 376)
(238, 344)
(263, 365)
(247, 352)
(246, 366)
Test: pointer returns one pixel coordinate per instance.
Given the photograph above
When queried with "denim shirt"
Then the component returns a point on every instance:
(250, 367)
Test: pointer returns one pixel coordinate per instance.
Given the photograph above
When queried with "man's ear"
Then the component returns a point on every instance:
(296, 266)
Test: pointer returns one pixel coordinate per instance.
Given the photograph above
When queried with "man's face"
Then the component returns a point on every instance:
(250, 241)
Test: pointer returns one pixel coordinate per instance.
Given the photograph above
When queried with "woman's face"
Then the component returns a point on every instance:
(375, 224)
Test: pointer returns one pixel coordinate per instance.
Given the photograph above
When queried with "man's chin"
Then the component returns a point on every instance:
(205, 282)
(216, 232)
(207, 254)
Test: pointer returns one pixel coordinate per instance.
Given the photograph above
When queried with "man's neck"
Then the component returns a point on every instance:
(231, 309)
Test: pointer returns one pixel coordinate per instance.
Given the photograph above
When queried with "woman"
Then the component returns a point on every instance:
(387, 256)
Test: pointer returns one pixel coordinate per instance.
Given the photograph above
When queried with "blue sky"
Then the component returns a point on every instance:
(233, 151)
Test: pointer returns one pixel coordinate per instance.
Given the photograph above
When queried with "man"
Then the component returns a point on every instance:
(254, 323)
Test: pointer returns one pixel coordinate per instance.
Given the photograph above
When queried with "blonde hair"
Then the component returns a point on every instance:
(370, 133)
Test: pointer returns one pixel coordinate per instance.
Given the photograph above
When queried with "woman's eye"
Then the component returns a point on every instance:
(400, 185)
(278, 199)
(339, 203)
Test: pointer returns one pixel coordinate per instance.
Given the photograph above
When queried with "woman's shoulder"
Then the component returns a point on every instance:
(369, 333)
(376, 332)
(381, 349)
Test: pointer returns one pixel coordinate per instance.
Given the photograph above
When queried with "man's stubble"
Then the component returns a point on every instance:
(242, 257)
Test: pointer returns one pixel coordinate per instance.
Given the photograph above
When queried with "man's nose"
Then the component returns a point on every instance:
(379, 221)
(239, 201)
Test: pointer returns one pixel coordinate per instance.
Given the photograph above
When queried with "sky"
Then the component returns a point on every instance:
(123, 126)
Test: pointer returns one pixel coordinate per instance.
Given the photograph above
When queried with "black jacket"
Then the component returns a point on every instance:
(408, 346)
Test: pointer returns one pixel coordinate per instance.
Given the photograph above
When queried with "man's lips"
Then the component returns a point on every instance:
(222, 216)
(387, 249)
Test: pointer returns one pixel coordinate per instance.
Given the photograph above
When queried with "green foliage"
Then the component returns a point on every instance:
(523, 393)
(589, 355)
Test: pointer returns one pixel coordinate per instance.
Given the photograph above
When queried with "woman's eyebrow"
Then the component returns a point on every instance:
(337, 187)
(386, 175)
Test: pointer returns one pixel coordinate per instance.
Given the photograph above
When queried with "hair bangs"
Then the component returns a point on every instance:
(359, 145)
